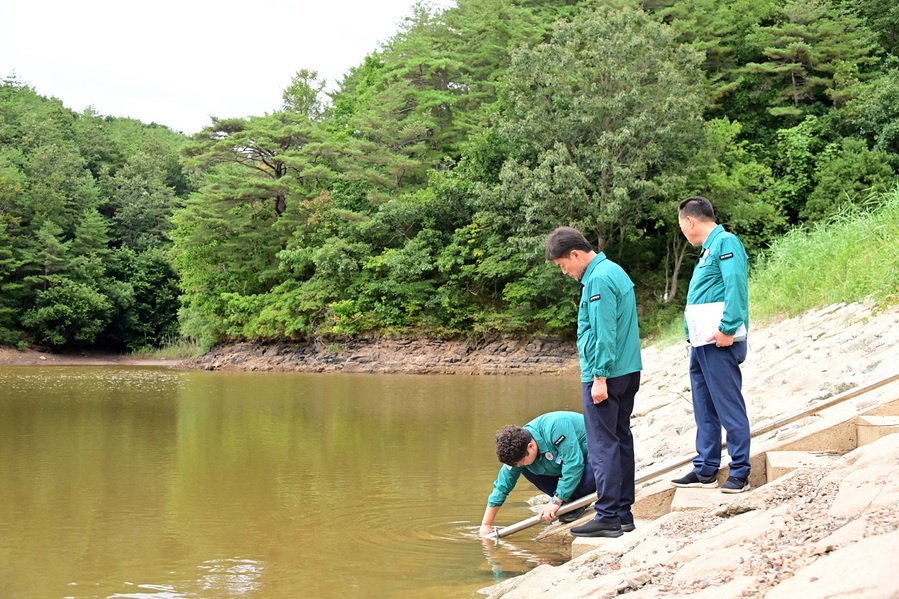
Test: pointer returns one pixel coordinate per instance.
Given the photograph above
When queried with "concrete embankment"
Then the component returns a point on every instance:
(824, 510)
(826, 525)
(817, 532)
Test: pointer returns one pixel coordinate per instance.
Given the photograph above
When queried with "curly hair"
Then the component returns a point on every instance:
(512, 444)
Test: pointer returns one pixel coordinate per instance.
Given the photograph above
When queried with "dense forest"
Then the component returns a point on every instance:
(414, 197)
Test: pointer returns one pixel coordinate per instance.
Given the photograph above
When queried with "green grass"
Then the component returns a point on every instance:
(852, 257)
(177, 349)
(670, 333)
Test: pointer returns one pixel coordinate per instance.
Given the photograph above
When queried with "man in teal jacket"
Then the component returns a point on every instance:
(720, 276)
(551, 452)
(608, 343)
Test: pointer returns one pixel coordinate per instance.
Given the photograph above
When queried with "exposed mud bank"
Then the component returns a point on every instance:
(397, 356)
(32, 357)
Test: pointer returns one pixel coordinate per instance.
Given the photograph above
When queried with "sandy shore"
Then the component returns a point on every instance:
(30, 357)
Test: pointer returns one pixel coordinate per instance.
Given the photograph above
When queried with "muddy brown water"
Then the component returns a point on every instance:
(147, 482)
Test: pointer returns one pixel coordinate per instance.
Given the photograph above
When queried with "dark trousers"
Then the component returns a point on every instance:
(610, 447)
(717, 383)
(548, 484)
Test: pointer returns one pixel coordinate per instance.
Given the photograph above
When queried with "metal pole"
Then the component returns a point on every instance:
(659, 471)
(588, 499)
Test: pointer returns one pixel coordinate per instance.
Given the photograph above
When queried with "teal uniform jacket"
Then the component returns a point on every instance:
(608, 336)
(722, 275)
(562, 449)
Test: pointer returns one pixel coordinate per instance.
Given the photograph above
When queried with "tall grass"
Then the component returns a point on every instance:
(173, 349)
(853, 256)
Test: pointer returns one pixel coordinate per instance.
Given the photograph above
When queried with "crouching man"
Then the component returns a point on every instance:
(551, 452)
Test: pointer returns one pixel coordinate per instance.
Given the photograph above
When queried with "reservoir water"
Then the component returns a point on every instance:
(144, 482)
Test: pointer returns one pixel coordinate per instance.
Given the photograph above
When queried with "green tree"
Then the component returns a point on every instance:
(258, 148)
(58, 187)
(91, 239)
(304, 95)
(873, 113)
(847, 172)
(410, 106)
(883, 17)
(387, 123)
(139, 200)
(11, 289)
(49, 255)
(61, 178)
(146, 313)
(67, 313)
(793, 166)
(600, 117)
(718, 30)
(814, 52)
(257, 173)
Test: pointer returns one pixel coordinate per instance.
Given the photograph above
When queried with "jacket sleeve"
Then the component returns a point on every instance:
(505, 482)
(734, 268)
(603, 317)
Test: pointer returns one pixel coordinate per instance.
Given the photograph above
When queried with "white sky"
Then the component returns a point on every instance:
(178, 62)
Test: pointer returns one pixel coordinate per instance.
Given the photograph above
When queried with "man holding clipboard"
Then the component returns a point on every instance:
(716, 319)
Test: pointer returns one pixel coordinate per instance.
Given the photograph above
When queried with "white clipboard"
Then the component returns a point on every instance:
(703, 320)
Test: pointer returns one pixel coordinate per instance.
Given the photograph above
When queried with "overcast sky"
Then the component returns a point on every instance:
(178, 62)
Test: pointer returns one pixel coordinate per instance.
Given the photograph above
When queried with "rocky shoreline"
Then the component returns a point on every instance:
(397, 356)
(818, 532)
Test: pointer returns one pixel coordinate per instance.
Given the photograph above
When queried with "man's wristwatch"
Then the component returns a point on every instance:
(555, 501)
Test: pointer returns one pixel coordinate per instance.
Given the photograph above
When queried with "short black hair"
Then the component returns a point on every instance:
(560, 242)
(512, 444)
(698, 207)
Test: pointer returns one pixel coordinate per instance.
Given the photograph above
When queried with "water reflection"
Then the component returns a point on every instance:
(130, 482)
(504, 558)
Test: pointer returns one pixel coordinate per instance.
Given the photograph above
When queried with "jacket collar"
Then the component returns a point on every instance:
(599, 257)
(711, 238)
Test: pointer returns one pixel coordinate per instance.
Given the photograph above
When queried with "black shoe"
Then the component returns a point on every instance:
(694, 480)
(569, 517)
(735, 485)
(595, 528)
(628, 527)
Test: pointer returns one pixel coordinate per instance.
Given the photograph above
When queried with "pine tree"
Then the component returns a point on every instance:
(814, 51)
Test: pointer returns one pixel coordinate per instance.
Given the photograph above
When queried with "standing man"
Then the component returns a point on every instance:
(720, 275)
(551, 452)
(608, 343)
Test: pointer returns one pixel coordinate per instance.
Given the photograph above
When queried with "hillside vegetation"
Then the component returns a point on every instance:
(413, 200)
(854, 256)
